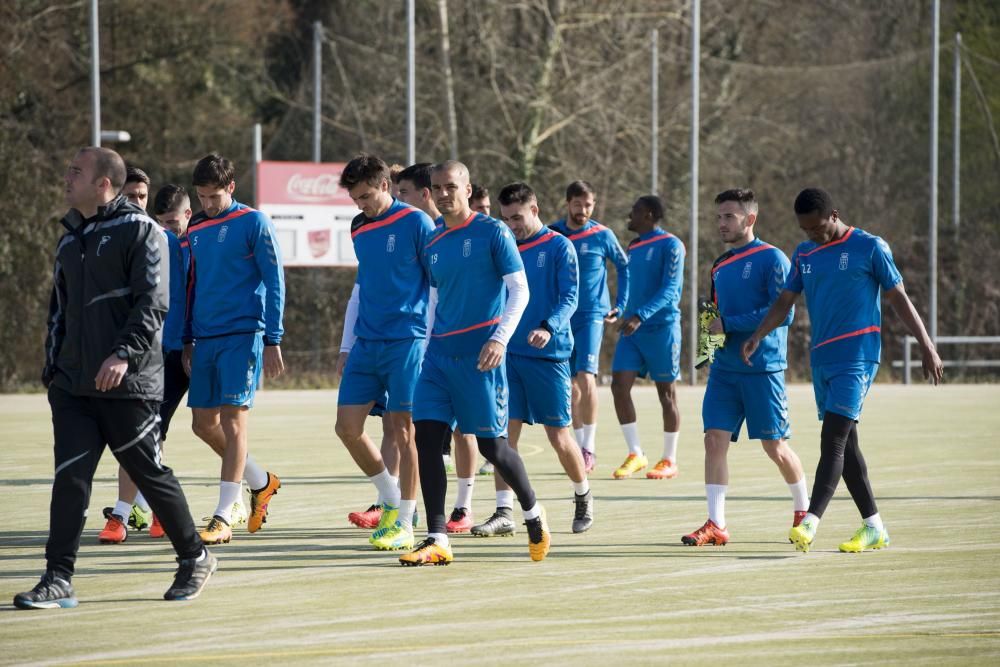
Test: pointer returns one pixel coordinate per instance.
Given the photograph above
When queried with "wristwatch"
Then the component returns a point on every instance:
(122, 353)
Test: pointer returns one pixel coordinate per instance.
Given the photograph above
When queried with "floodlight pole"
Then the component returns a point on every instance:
(95, 76)
(411, 82)
(654, 131)
(956, 162)
(317, 91)
(932, 232)
(692, 256)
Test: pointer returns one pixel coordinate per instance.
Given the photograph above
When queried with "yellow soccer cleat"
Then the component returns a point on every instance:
(802, 535)
(259, 500)
(539, 539)
(394, 538)
(427, 552)
(217, 532)
(633, 464)
(389, 517)
(866, 538)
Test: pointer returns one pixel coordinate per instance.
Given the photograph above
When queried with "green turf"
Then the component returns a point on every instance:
(307, 589)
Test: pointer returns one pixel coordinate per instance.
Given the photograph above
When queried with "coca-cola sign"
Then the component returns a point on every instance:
(312, 188)
(307, 183)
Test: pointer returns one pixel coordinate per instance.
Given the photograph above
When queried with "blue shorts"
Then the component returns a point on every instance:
(375, 367)
(653, 351)
(842, 387)
(587, 337)
(757, 398)
(226, 370)
(540, 390)
(452, 388)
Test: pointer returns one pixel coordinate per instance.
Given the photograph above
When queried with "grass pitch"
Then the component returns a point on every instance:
(308, 589)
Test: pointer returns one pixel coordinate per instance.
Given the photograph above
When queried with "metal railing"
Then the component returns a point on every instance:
(910, 341)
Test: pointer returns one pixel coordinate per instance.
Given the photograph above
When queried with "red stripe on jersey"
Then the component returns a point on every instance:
(495, 320)
(831, 243)
(590, 232)
(382, 223)
(468, 221)
(659, 237)
(732, 259)
(538, 241)
(859, 332)
(219, 221)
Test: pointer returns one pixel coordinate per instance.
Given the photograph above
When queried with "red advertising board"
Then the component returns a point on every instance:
(311, 212)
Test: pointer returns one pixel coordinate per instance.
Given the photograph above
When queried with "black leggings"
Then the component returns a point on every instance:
(431, 437)
(840, 456)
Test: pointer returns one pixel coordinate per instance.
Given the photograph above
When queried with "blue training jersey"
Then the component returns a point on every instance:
(843, 280)
(467, 264)
(745, 282)
(392, 283)
(550, 266)
(656, 276)
(179, 252)
(236, 283)
(595, 244)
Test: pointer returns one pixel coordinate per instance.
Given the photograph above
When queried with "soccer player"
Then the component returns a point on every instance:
(414, 185)
(103, 372)
(478, 277)
(236, 300)
(479, 201)
(172, 209)
(595, 245)
(387, 320)
(538, 355)
(136, 188)
(746, 280)
(843, 271)
(650, 340)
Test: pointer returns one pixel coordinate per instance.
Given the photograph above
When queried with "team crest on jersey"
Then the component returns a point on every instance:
(649, 254)
(104, 239)
(843, 261)
(584, 247)
(467, 248)
(746, 270)
(541, 260)
(222, 233)
(390, 243)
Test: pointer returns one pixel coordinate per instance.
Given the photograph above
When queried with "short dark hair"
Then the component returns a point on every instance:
(652, 204)
(170, 197)
(395, 169)
(579, 189)
(213, 169)
(419, 174)
(742, 196)
(136, 175)
(516, 193)
(813, 200)
(108, 163)
(364, 168)
(481, 191)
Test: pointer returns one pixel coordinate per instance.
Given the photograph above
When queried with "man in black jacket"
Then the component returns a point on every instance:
(104, 373)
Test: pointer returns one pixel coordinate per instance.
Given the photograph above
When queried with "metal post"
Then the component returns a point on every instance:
(956, 141)
(654, 131)
(907, 359)
(932, 232)
(411, 83)
(317, 91)
(95, 75)
(692, 256)
(258, 151)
